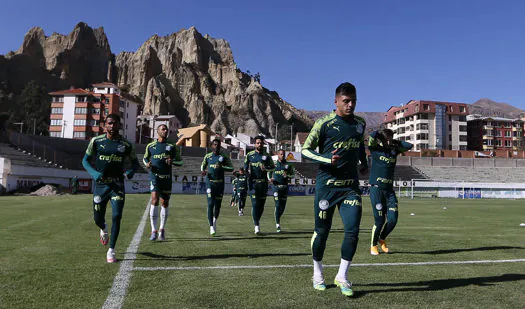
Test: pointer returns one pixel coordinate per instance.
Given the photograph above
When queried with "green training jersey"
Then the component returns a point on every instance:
(157, 153)
(253, 163)
(346, 136)
(384, 160)
(215, 165)
(242, 183)
(109, 155)
(282, 168)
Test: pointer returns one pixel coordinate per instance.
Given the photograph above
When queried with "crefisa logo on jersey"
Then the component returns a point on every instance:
(323, 204)
(121, 148)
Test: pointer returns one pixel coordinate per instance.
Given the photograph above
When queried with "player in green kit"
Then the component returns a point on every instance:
(339, 137)
(279, 178)
(214, 165)
(109, 152)
(257, 164)
(160, 155)
(233, 200)
(241, 187)
(384, 150)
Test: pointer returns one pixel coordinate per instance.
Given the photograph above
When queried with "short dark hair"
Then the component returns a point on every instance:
(114, 117)
(162, 125)
(345, 89)
(281, 150)
(259, 137)
(216, 140)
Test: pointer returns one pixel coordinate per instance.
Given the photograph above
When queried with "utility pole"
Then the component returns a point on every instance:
(34, 126)
(291, 138)
(276, 140)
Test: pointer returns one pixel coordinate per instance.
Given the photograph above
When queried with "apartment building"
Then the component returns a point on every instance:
(430, 124)
(491, 133)
(79, 113)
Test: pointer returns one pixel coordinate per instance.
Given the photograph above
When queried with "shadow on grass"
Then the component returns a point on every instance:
(217, 256)
(447, 251)
(436, 285)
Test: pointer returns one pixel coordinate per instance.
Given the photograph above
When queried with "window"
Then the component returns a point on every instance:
(422, 136)
(462, 109)
(450, 138)
(424, 116)
(463, 138)
(426, 107)
(79, 134)
(487, 142)
(498, 133)
(508, 143)
(94, 111)
(80, 110)
(422, 126)
(58, 99)
(462, 147)
(507, 134)
(55, 134)
(508, 125)
(451, 109)
(81, 98)
(417, 108)
(462, 128)
(80, 122)
(93, 123)
(57, 110)
(462, 118)
(56, 122)
(497, 143)
(450, 127)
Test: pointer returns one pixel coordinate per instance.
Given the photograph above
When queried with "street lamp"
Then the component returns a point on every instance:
(291, 138)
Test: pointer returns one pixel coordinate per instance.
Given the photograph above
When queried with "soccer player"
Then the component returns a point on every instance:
(214, 165)
(279, 178)
(109, 151)
(242, 191)
(233, 200)
(160, 155)
(384, 150)
(257, 164)
(339, 137)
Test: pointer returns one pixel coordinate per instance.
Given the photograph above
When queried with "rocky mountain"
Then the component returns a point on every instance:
(184, 73)
(487, 107)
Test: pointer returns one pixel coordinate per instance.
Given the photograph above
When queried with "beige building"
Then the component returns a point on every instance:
(430, 124)
(195, 136)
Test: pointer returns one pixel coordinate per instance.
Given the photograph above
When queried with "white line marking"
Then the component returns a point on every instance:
(331, 266)
(120, 284)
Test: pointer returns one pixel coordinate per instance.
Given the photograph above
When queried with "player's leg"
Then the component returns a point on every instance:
(165, 195)
(210, 198)
(379, 211)
(217, 193)
(100, 202)
(241, 202)
(282, 198)
(154, 207)
(351, 211)
(324, 207)
(261, 189)
(392, 216)
(117, 206)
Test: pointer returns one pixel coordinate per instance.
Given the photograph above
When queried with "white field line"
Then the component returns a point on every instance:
(120, 283)
(330, 266)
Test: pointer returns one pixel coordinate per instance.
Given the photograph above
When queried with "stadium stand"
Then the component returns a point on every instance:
(22, 157)
(473, 174)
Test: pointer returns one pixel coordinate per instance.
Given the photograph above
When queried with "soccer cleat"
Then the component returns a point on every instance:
(257, 230)
(384, 247)
(162, 235)
(153, 236)
(110, 256)
(319, 285)
(374, 251)
(104, 238)
(241, 213)
(345, 286)
(212, 231)
(278, 228)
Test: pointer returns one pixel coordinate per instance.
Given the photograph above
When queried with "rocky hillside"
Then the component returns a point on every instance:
(487, 107)
(185, 73)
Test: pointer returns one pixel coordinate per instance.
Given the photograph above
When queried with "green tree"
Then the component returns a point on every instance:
(32, 108)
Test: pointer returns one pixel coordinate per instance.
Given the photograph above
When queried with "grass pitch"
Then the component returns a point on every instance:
(50, 257)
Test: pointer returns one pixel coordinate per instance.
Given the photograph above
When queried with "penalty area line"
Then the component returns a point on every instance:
(228, 267)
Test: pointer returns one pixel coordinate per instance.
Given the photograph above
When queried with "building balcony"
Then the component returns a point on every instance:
(517, 129)
(488, 137)
(487, 147)
(516, 138)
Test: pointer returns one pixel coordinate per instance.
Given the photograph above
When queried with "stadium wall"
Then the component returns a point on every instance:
(461, 162)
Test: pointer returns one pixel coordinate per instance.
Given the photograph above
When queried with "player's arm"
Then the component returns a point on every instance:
(362, 152)
(134, 162)
(312, 142)
(204, 165)
(404, 146)
(227, 164)
(90, 153)
(291, 171)
(247, 164)
(175, 154)
(147, 157)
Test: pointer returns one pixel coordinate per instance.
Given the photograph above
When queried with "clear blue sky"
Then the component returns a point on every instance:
(392, 50)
